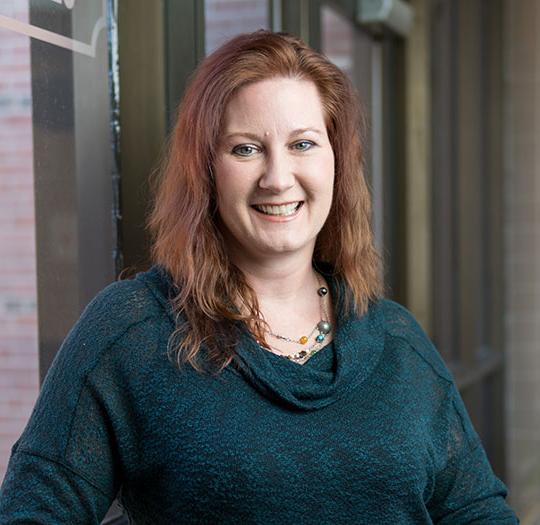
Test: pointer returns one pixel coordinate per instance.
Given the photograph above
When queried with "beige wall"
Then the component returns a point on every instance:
(522, 174)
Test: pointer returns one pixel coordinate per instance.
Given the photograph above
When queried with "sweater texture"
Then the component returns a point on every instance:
(370, 430)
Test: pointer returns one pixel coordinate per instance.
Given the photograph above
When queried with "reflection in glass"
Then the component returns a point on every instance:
(19, 378)
(227, 18)
(350, 48)
(355, 53)
(337, 39)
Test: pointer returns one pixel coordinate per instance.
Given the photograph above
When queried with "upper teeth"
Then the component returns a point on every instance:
(285, 209)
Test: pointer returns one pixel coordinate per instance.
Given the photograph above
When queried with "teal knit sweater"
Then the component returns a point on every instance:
(370, 430)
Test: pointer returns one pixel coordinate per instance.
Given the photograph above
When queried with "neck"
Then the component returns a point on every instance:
(279, 279)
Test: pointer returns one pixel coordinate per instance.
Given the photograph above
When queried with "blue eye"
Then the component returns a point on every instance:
(305, 145)
(244, 151)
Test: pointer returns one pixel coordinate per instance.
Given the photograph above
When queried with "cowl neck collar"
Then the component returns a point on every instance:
(328, 376)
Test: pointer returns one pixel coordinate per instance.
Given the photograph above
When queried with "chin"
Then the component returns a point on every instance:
(284, 248)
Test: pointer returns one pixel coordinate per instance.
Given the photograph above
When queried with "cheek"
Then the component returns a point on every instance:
(232, 186)
(330, 171)
(324, 181)
(231, 175)
(225, 182)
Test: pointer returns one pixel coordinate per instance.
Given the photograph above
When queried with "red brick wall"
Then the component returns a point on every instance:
(19, 381)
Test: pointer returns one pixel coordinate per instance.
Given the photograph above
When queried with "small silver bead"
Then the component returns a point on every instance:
(324, 327)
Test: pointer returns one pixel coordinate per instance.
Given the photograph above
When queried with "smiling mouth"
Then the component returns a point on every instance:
(281, 211)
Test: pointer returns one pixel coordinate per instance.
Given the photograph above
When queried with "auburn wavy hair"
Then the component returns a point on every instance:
(183, 221)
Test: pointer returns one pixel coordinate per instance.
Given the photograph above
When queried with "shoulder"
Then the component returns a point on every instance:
(405, 334)
(120, 305)
(124, 303)
(85, 368)
(110, 315)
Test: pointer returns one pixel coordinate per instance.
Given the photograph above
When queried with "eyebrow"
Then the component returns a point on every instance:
(254, 136)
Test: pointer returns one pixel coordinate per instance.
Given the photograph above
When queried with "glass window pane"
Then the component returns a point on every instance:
(55, 188)
(350, 49)
(337, 39)
(227, 18)
(353, 51)
(19, 376)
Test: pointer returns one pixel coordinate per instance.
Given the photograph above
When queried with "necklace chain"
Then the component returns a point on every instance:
(303, 354)
(323, 326)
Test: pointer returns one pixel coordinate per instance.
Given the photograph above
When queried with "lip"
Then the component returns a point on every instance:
(278, 218)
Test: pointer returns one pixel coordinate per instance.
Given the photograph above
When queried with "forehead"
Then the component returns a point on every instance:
(275, 104)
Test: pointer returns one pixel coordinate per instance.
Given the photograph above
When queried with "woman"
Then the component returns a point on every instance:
(255, 373)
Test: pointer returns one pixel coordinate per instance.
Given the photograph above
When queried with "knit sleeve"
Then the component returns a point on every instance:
(37, 489)
(62, 470)
(466, 490)
(65, 466)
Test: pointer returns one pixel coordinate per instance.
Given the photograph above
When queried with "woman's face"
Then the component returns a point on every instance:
(274, 170)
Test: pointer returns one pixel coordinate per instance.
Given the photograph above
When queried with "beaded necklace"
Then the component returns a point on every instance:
(323, 326)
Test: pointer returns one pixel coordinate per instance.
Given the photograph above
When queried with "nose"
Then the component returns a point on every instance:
(278, 175)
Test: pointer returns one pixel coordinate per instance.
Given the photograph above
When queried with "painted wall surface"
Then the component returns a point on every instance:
(522, 117)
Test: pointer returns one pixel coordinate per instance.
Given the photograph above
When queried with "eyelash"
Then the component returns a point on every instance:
(236, 148)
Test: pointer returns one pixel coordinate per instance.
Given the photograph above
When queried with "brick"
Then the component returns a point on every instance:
(26, 346)
(17, 412)
(19, 409)
(18, 379)
(17, 361)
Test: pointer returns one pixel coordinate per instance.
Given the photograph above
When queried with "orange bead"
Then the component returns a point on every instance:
(303, 340)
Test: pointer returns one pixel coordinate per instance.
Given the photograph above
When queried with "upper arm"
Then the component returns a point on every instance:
(65, 466)
(466, 490)
(37, 489)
